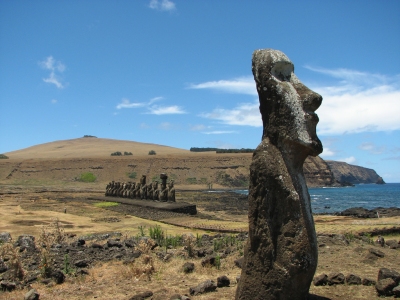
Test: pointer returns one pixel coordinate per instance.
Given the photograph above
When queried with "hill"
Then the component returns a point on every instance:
(90, 147)
(62, 163)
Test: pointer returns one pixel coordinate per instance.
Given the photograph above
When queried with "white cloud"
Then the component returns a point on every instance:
(125, 103)
(197, 127)
(165, 5)
(54, 101)
(244, 114)
(372, 148)
(327, 152)
(349, 160)
(241, 85)
(54, 67)
(359, 102)
(220, 132)
(166, 126)
(166, 110)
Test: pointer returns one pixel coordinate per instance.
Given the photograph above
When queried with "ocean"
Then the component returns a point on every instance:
(330, 200)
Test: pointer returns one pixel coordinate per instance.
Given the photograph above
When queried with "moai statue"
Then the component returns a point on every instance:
(171, 192)
(132, 190)
(115, 189)
(164, 189)
(137, 191)
(155, 190)
(143, 187)
(281, 254)
(109, 187)
(126, 190)
(121, 189)
(150, 191)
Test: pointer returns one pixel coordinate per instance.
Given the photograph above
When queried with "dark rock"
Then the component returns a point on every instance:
(239, 262)
(188, 267)
(352, 279)
(204, 287)
(278, 220)
(209, 261)
(114, 243)
(368, 281)
(5, 237)
(3, 266)
(78, 243)
(321, 280)
(130, 243)
(31, 278)
(393, 244)
(335, 278)
(136, 253)
(58, 276)
(82, 272)
(8, 285)
(387, 273)
(97, 246)
(45, 281)
(26, 242)
(201, 253)
(223, 281)
(142, 296)
(385, 286)
(376, 252)
(396, 291)
(83, 263)
(32, 295)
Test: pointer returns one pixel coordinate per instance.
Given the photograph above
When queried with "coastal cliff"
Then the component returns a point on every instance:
(346, 173)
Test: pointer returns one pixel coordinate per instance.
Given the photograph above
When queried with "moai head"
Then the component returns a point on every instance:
(287, 106)
(171, 184)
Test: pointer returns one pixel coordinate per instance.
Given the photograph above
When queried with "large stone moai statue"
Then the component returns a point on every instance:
(163, 196)
(281, 254)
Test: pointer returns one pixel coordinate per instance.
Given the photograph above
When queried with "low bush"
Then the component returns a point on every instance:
(105, 204)
(152, 152)
(132, 175)
(2, 156)
(87, 177)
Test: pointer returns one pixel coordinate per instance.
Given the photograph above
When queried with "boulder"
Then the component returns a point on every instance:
(368, 281)
(204, 287)
(188, 267)
(223, 281)
(142, 296)
(5, 237)
(3, 266)
(114, 243)
(239, 262)
(335, 278)
(83, 263)
(385, 286)
(396, 291)
(388, 273)
(32, 295)
(8, 285)
(26, 242)
(320, 280)
(209, 261)
(352, 279)
(376, 252)
(58, 276)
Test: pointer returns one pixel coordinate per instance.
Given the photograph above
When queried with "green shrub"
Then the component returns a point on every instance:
(105, 204)
(127, 153)
(191, 180)
(116, 153)
(132, 175)
(152, 152)
(2, 156)
(87, 177)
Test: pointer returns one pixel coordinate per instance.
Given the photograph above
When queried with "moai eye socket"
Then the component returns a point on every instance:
(282, 70)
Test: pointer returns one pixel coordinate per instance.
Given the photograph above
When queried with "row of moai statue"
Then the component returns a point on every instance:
(141, 190)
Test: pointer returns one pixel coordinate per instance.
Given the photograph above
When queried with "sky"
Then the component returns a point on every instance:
(178, 72)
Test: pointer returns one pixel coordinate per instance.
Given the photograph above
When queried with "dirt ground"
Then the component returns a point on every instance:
(27, 210)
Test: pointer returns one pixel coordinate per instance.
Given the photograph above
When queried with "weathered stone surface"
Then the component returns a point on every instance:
(188, 267)
(335, 278)
(352, 279)
(5, 237)
(281, 255)
(204, 287)
(142, 296)
(385, 286)
(320, 280)
(32, 295)
(368, 281)
(388, 273)
(26, 242)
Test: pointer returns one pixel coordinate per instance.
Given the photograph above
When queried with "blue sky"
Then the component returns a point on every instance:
(178, 73)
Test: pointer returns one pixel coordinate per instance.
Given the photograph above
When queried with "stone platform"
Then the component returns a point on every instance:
(178, 207)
